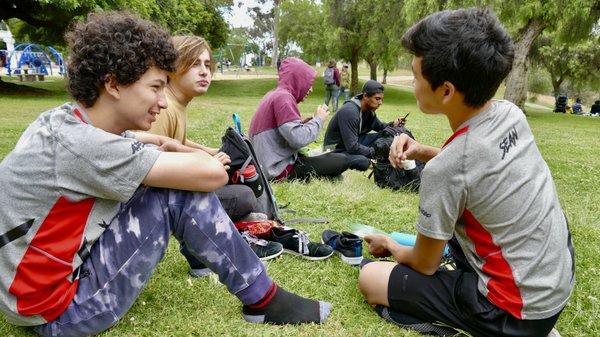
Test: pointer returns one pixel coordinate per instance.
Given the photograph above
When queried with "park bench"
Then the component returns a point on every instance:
(25, 74)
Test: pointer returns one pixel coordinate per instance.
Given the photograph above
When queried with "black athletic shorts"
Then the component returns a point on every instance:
(452, 297)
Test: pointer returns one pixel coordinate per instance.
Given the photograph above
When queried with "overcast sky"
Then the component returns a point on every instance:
(239, 15)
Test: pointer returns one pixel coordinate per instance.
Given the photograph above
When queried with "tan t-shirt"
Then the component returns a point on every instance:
(172, 121)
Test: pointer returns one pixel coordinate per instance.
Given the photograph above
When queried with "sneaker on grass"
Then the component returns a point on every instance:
(265, 250)
(347, 245)
(296, 242)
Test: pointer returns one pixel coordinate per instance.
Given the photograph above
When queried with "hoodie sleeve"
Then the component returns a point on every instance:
(298, 134)
(378, 125)
(349, 125)
(290, 126)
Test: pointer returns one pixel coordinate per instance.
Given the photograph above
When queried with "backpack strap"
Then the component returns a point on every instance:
(372, 171)
(307, 220)
(243, 168)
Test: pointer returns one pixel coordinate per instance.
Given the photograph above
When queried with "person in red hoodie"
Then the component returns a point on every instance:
(278, 132)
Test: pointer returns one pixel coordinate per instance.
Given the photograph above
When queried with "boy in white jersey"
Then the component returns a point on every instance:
(487, 192)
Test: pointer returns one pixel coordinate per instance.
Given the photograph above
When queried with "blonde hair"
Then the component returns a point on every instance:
(189, 48)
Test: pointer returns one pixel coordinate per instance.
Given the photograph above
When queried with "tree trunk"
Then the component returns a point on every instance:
(373, 66)
(354, 67)
(556, 86)
(275, 54)
(384, 81)
(516, 82)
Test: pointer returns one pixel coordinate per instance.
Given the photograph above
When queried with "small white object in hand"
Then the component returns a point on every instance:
(408, 164)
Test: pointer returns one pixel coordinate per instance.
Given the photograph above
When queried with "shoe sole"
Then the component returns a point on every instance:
(353, 261)
(198, 273)
(311, 258)
(266, 258)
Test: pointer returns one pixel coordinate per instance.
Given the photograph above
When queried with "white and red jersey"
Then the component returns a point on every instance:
(60, 187)
(490, 187)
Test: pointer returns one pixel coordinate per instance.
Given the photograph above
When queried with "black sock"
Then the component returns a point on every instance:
(286, 308)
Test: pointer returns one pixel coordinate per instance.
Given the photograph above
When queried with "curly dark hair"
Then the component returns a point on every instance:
(115, 44)
(467, 47)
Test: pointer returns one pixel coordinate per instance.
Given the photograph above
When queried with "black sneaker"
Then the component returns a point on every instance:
(265, 250)
(296, 242)
(348, 245)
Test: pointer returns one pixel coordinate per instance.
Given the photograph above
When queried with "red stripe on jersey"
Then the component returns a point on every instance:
(40, 284)
(77, 114)
(458, 132)
(502, 288)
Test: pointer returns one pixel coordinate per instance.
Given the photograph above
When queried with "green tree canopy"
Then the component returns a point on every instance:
(578, 62)
(304, 23)
(45, 21)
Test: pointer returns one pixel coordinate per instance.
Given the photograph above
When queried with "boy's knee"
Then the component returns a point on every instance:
(246, 200)
(367, 279)
(358, 162)
(373, 282)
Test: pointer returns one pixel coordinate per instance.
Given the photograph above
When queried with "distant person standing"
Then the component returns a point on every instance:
(345, 83)
(331, 78)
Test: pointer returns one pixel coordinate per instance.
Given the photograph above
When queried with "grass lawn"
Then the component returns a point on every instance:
(172, 304)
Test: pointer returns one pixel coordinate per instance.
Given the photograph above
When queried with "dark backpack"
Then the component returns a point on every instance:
(384, 174)
(241, 152)
(328, 76)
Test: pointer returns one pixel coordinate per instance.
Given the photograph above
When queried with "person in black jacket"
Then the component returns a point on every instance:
(595, 108)
(349, 131)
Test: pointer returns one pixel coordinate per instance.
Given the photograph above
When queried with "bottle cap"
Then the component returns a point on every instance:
(249, 172)
(409, 164)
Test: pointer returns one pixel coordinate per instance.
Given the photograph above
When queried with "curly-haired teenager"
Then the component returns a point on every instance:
(487, 192)
(86, 209)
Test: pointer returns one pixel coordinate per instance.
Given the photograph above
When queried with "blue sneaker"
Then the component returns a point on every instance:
(346, 244)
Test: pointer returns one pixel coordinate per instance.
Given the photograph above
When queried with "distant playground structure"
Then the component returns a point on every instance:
(29, 61)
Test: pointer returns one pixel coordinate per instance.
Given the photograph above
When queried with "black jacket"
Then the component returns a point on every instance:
(347, 124)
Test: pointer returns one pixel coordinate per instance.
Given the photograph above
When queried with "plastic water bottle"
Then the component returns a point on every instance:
(252, 180)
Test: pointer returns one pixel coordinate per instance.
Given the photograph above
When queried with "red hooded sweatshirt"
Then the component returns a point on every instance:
(276, 129)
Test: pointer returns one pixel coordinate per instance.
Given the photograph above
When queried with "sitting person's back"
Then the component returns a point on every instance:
(577, 106)
(595, 108)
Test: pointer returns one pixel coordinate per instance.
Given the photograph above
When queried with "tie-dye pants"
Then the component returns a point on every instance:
(123, 259)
